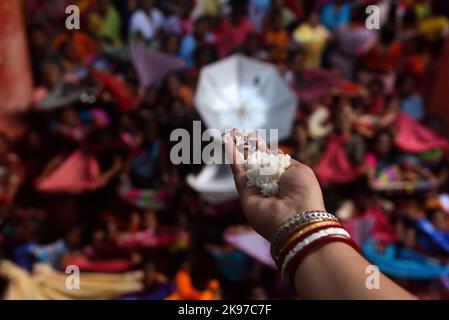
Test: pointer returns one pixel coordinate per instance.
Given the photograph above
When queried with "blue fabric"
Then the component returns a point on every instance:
(188, 47)
(261, 5)
(403, 263)
(413, 106)
(143, 165)
(161, 291)
(331, 18)
(51, 253)
(235, 266)
(439, 239)
(21, 255)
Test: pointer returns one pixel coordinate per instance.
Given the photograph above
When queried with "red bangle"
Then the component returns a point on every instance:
(294, 264)
(291, 245)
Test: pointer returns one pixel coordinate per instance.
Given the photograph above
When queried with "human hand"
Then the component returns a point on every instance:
(299, 191)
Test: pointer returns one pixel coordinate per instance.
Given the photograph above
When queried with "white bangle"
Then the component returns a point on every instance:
(312, 238)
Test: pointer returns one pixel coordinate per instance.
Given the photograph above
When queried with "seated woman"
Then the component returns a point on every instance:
(386, 166)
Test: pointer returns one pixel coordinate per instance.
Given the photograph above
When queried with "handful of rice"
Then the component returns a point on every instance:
(263, 169)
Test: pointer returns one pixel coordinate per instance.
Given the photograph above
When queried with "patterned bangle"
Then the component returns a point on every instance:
(294, 264)
(298, 220)
(301, 234)
(307, 241)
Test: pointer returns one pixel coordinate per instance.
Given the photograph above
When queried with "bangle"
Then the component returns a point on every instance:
(300, 235)
(294, 264)
(299, 232)
(306, 242)
(297, 221)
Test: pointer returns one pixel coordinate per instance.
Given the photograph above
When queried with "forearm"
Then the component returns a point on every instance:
(337, 271)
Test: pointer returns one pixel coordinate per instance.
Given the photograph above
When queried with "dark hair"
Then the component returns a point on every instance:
(358, 13)
(387, 34)
(409, 18)
(4, 138)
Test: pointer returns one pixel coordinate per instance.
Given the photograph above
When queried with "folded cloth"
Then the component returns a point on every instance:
(121, 93)
(152, 66)
(411, 136)
(77, 174)
(334, 166)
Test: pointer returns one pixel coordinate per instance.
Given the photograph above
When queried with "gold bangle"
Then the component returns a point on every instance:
(309, 227)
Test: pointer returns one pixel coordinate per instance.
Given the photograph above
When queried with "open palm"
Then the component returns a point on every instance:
(299, 191)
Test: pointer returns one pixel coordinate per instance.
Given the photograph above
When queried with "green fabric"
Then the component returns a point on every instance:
(111, 27)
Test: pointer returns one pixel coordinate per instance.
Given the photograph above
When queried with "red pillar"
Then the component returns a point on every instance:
(16, 85)
(439, 100)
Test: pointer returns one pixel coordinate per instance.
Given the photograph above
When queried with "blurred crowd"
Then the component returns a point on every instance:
(90, 182)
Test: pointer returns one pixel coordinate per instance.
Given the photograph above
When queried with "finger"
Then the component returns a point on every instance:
(257, 142)
(236, 161)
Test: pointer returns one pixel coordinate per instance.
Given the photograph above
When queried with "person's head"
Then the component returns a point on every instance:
(171, 44)
(112, 230)
(67, 49)
(147, 4)
(205, 54)
(409, 237)
(201, 27)
(186, 8)
(392, 103)
(23, 233)
(103, 6)
(387, 34)
(300, 133)
(5, 145)
(173, 84)
(239, 10)
(133, 5)
(150, 220)
(178, 108)
(276, 21)
(252, 44)
(376, 88)
(98, 237)
(258, 293)
(278, 4)
(344, 117)
(149, 271)
(407, 85)
(38, 39)
(409, 18)
(358, 14)
(70, 117)
(384, 143)
(52, 74)
(314, 18)
(135, 219)
(296, 59)
(73, 238)
(439, 219)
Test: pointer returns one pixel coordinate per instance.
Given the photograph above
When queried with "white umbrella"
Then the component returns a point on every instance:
(240, 92)
(244, 93)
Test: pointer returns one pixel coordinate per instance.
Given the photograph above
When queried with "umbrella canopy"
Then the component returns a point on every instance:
(244, 93)
(152, 66)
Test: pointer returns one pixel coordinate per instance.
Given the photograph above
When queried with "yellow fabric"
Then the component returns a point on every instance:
(212, 7)
(48, 284)
(313, 41)
(432, 28)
